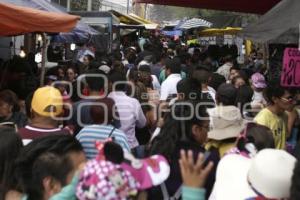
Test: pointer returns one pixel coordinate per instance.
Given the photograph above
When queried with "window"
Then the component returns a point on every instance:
(79, 5)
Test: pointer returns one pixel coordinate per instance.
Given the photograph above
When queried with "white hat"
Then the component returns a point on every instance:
(268, 174)
(271, 172)
(106, 69)
(231, 178)
(226, 122)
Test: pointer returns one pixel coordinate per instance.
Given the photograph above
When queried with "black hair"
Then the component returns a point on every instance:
(175, 130)
(75, 70)
(50, 165)
(116, 76)
(28, 101)
(237, 68)
(113, 152)
(226, 95)
(89, 57)
(234, 80)
(173, 65)
(244, 96)
(227, 58)
(131, 57)
(216, 80)
(10, 98)
(276, 90)
(119, 67)
(202, 75)
(10, 147)
(144, 76)
(260, 136)
(190, 89)
(59, 144)
(295, 188)
(95, 83)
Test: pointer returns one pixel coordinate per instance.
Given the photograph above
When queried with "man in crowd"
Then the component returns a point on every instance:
(273, 116)
(169, 86)
(46, 106)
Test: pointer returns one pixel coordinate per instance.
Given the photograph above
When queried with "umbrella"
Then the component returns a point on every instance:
(194, 23)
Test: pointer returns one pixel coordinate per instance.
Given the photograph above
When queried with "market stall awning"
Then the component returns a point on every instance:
(148, 24)
(133, 20)
(246, 6)
(17, 20)
(220, 31)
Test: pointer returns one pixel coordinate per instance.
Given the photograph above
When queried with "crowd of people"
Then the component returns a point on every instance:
(159, 120)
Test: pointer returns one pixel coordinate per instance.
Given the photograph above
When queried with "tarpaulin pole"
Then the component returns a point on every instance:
(44, 59)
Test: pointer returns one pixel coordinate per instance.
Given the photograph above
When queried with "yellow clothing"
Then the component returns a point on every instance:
(277, 124)
(223, 147)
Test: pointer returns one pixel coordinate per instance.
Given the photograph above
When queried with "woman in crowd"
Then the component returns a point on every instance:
(10, 147)
(10, 114)
(184, 128)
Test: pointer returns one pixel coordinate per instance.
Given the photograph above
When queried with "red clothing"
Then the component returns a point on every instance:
(31, 133)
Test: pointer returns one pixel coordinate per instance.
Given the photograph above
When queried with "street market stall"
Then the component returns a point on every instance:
(18, 20)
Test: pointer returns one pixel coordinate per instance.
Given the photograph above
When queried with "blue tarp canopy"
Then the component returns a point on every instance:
(172, 33)
(81, 33)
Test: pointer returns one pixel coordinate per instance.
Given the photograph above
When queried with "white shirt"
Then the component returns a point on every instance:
(224, 70)
(155, 83)
(258, 100)
(169, 86)
(131, 115)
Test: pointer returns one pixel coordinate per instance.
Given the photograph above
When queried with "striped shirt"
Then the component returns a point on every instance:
(90, 134)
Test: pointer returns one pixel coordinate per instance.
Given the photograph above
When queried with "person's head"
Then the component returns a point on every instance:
(238, 81)
(270, 174)
(279, 97)
(244, 97)
(144, 75)
(95, 80)
(234, 72)
(226, 95)
(71, 74)
(87, 59)
(226, 123)
(216, 80)
(258, 82)
(66, 146)
(228, 59)
(202, 75)
(118, 66)
(188, 89)
(258, 135)
(131, 57)
(103, 112)
(46, 104)
(10, 147)
(8, 103)
(49, 174)
(117, 81)
(173, 66)
(60, 72)
(186, 123)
